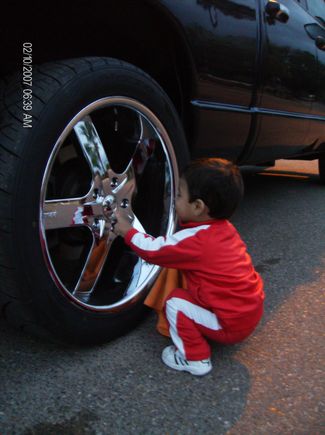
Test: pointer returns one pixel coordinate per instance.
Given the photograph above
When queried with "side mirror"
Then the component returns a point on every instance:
(276, 11)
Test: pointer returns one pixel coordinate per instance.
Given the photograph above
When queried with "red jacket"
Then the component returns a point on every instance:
(219, 272)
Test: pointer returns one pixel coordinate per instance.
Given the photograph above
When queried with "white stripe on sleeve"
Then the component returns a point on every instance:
(147, 243)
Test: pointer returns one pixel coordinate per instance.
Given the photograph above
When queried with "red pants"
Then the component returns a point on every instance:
(190, 325)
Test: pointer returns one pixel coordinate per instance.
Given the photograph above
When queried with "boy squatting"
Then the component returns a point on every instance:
(224, 297)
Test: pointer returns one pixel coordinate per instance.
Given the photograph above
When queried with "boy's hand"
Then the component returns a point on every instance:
(122, 224)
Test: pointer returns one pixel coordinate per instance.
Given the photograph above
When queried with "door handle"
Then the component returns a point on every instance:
(276, 11)
(320, 43)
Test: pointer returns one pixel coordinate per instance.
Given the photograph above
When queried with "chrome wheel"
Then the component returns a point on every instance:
(115, 153)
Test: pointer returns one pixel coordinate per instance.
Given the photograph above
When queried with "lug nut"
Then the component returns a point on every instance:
(114, 182)
(124, 203)
(108, 202)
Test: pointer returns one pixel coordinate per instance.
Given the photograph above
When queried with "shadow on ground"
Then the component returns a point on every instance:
(122, 386)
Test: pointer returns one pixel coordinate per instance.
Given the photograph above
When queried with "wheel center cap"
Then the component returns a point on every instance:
(109, 205)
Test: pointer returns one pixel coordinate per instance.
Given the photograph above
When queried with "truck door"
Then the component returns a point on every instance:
(222, 37)
(288, 81)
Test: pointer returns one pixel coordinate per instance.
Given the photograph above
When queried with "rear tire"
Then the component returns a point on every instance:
(38, 165)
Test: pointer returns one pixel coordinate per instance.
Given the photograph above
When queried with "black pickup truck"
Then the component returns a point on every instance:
(102, 102)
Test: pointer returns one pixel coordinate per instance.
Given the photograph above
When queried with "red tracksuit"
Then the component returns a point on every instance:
(224, 296)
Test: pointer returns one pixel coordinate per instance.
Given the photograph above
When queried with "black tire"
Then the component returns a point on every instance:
(37, 265)
(321, 168)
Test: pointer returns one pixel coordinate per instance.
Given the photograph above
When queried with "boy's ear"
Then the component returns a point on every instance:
(199, 207)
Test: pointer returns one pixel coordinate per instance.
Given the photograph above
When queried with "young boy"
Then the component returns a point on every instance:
(223, 300)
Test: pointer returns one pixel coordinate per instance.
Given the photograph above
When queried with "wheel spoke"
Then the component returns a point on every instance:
(65, 213)
(145, 147)
(93, 267)
(126, 186)
(92, 147)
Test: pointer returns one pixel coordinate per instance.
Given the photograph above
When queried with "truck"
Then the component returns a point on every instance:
(102, 104)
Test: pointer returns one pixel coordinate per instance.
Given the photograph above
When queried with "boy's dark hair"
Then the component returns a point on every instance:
(218, 182)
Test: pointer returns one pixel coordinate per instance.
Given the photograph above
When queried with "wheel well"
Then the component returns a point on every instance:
(146, 36)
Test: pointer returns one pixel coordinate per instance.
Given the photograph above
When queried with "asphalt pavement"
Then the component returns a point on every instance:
(273, 383)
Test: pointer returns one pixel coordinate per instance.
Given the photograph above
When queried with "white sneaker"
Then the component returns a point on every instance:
(172, 358)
